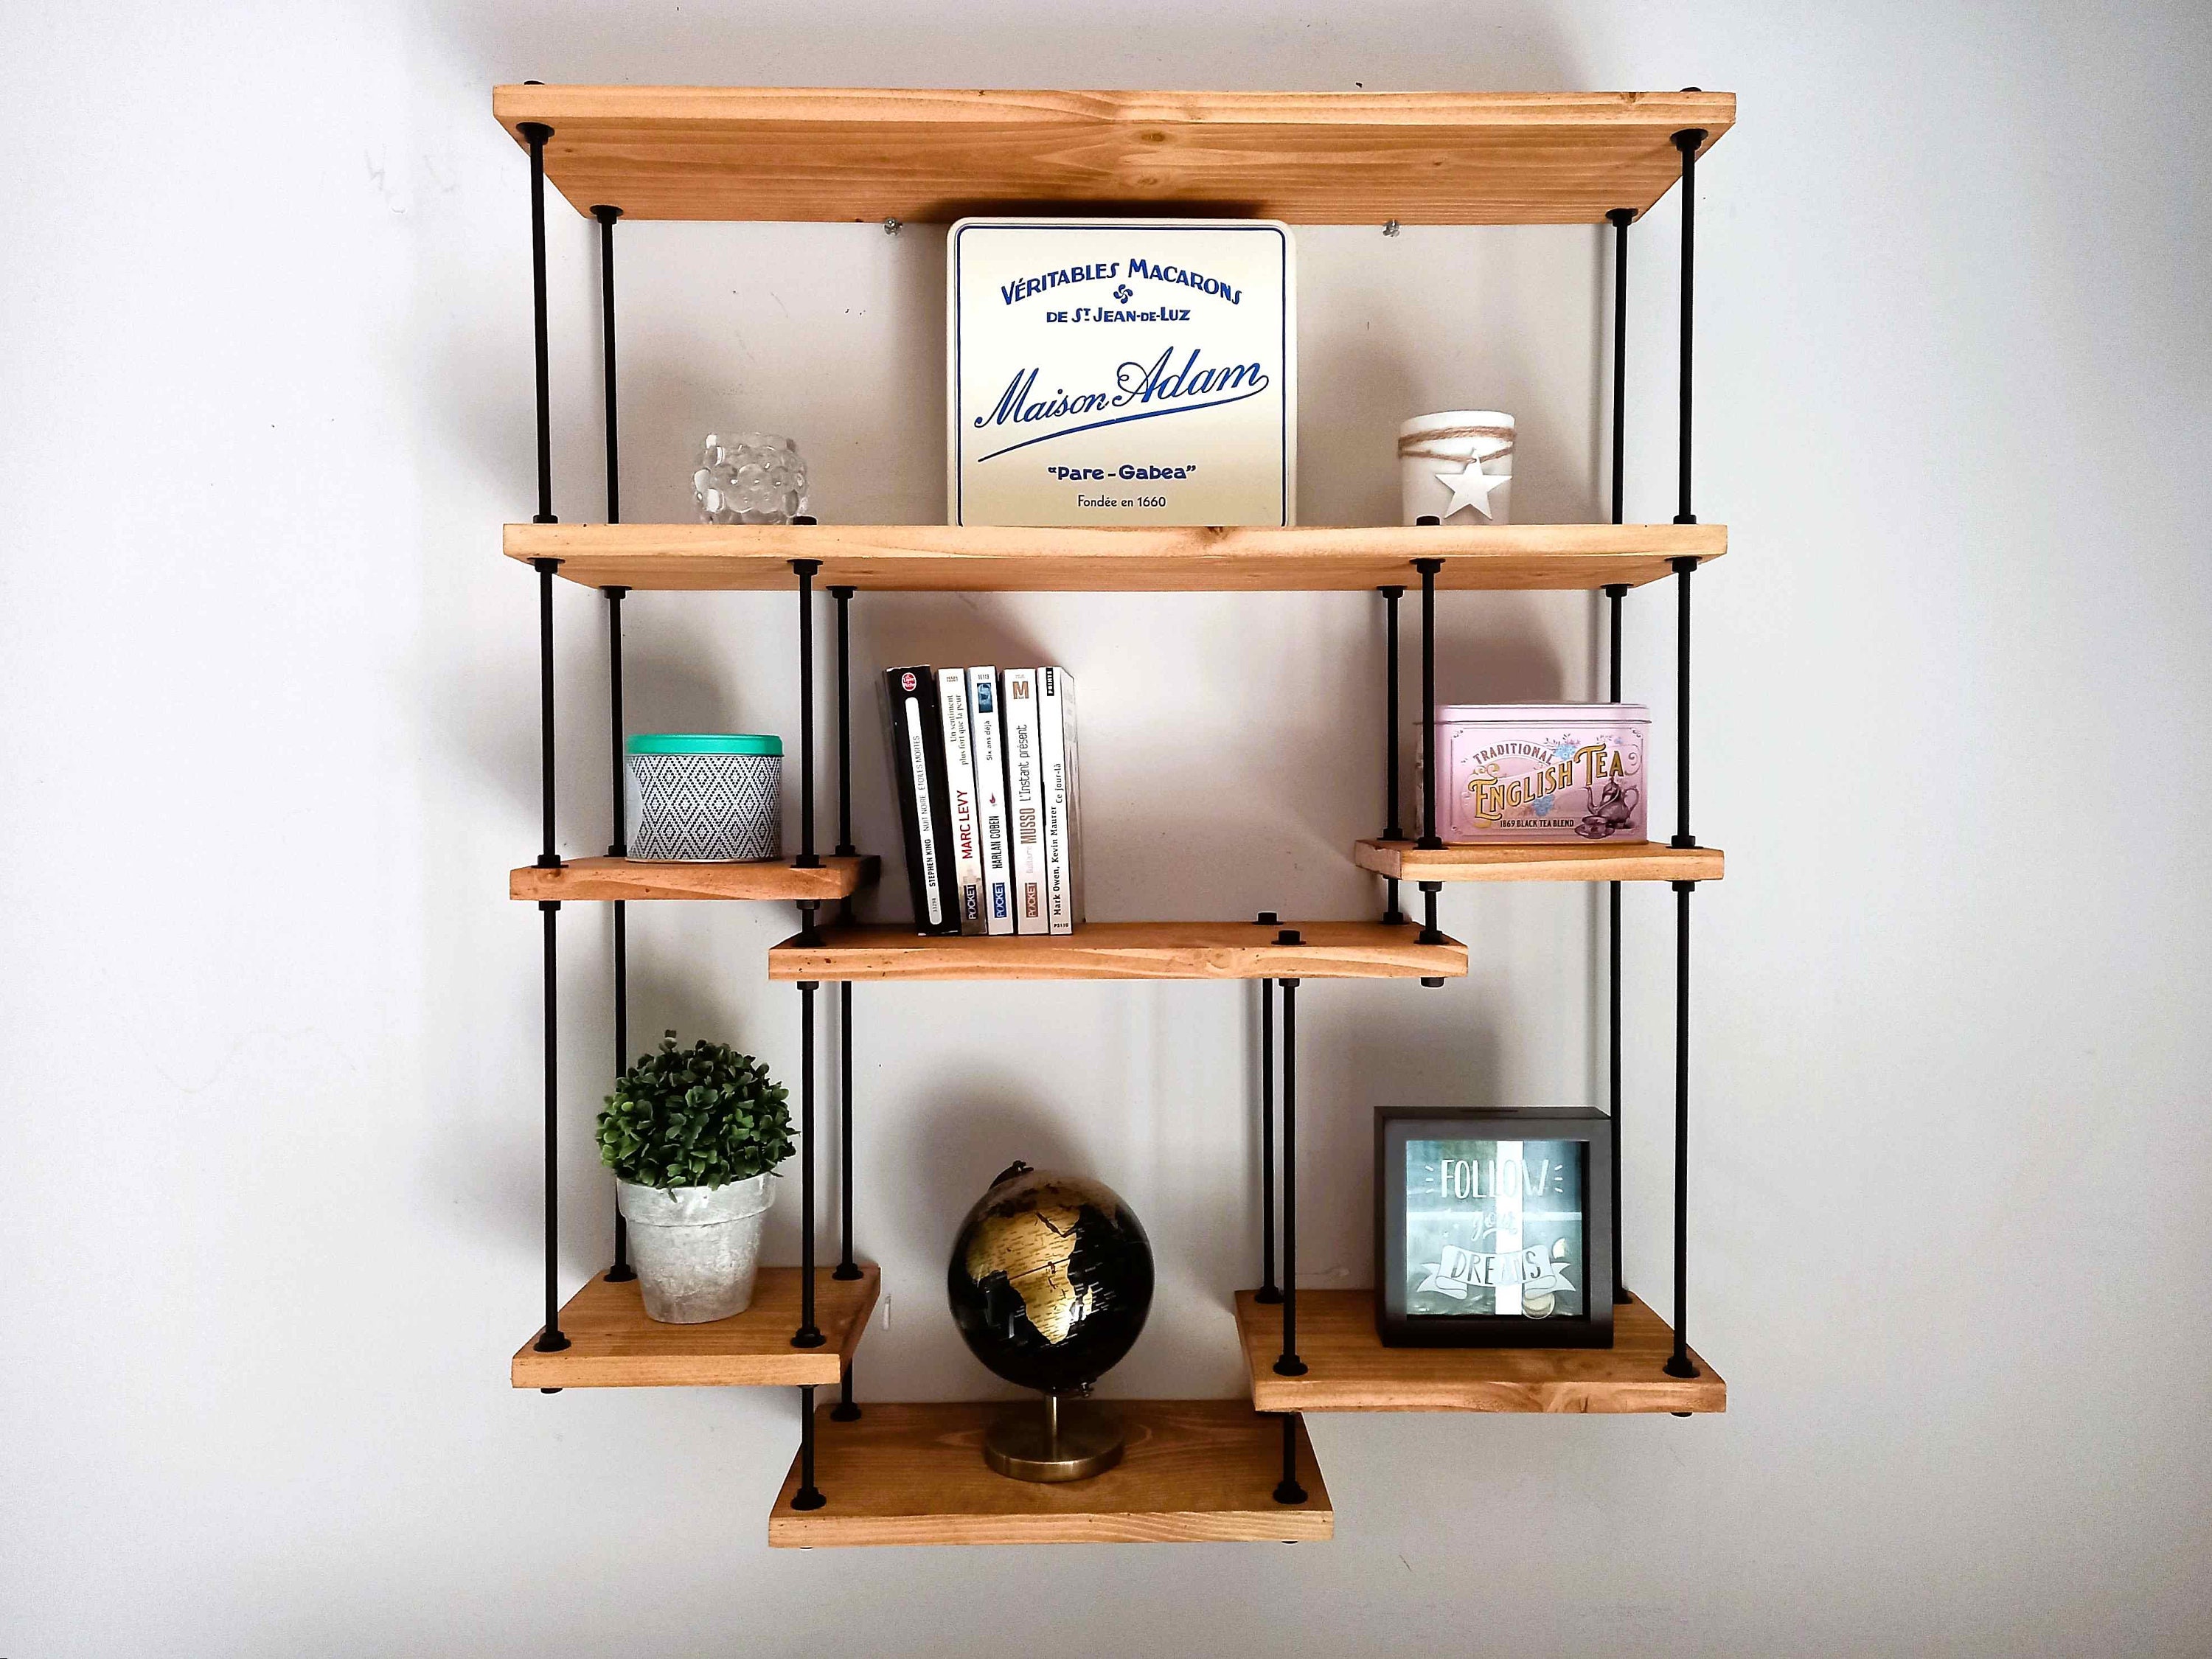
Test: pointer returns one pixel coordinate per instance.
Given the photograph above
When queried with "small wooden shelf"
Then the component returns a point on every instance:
(1127, 559)
(1194, 1471)
(1125, 950)
(1583, 860)
(635, 878)
(612, 1345)
(1351, 1371)
(1423, 158)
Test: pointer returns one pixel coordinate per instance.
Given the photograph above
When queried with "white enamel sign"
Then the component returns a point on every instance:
(1121, 371)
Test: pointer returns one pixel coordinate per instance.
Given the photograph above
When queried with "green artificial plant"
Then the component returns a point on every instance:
(694, 1117)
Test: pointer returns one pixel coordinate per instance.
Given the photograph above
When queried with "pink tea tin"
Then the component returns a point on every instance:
(1539, 771)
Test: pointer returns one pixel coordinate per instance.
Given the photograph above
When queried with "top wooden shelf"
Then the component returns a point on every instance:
(932, 157)
(1140, 559)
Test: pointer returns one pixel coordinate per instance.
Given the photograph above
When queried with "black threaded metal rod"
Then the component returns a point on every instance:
(1679, 1363)
(548, 857)
(1687, 142)
(1267, 1292)
(537, 132)
(1620, 218)
(622, 1273)
(549, 1340)
(1429, 567)
(1288, 1363)
(1615, 592)
(1287, 1490)
(1684, 568)
(807, 1497)
(808, 859)
(845, 1411)
(1392, 830)
(846, 1268)
(606, 216)
(808, 1335)
(845, 847)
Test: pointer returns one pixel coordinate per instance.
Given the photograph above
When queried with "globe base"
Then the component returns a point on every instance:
(1058, 1442)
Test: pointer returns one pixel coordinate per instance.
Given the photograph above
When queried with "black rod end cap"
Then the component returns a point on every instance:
(1269, 919)
(1620, 218)
(1267, 1294)
(1689, 138)
(1289, 1491)
(807, 1337)
(846, 1270)
(844, 1412)
(549, 1342)
(1432, 985)
(808, 1499)
(1678, 1366)
(1427, 518)
(1291, 1366)
(621, 1274)
(605, 215)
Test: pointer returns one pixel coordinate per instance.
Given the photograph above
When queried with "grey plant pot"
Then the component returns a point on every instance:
(697, 1249)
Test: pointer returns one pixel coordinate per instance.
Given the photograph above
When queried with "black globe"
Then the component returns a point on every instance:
(1050, 1280)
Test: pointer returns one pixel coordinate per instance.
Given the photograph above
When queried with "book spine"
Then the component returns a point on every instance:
(1068, 748)
(991, 800)
(967, 884)
(1060, 905)
(917, 752)
(1025, 801)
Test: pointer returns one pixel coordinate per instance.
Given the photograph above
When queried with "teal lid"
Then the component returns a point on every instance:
(704, 743)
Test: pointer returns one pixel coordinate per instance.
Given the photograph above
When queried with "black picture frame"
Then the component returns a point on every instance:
(1591, 1326)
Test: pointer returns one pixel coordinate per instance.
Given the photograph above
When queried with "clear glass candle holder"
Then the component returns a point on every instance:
(749, 477)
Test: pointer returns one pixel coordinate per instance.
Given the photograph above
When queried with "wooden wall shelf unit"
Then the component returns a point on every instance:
(627, 880)
(1349, 1370)
(612, 1345)
(1195, 1471)
(1586, 861)
(932, 157)
(1125, 950)
(991, 558)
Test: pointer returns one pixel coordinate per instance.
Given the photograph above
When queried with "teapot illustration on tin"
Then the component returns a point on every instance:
(1610, 810)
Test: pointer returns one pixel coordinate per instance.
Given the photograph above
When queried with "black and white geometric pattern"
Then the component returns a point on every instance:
(706, 809)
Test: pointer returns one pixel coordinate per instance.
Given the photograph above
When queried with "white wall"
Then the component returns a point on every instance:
(269, 1203)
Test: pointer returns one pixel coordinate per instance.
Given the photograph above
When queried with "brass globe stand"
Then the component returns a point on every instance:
(1073, 1444)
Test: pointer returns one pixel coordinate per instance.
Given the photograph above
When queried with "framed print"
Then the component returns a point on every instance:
(1494, 1228)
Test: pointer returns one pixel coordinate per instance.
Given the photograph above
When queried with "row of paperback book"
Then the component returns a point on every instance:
(983, 765)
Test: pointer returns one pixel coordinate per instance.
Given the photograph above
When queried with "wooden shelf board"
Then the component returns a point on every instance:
(1582, 860)
(612, 1345)
(1126, 559)
(636, 878)
(932, 157)
(1194, 1471)
(1125, 950)
(1351, 1371)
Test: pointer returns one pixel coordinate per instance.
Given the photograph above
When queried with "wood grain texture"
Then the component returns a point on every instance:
(1141, 559)
(1351, 1371)
(1194, 1471)
(1125, 950)
(1582, 860)
(612, 1345)
(634, 879)
(931, 156)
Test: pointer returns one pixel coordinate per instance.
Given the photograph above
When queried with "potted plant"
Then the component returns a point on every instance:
(693, 1135)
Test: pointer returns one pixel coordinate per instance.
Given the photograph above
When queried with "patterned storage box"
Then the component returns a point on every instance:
(705, 798)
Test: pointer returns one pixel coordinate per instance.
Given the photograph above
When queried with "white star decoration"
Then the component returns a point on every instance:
(1470, 489)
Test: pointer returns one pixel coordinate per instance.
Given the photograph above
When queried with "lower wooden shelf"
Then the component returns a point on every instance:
(1195, 1471)
(1581, 860)
(612, 1345)
(1349, 1370)
(638, 879)
(1126, 950)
